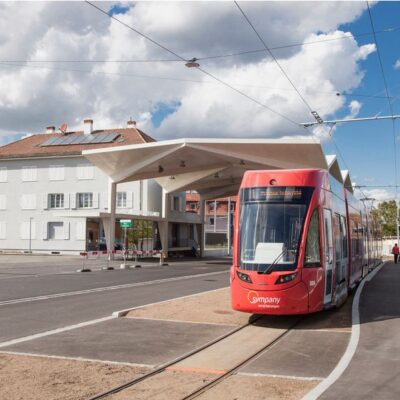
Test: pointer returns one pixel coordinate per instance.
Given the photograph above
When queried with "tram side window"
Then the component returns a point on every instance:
(343, 234)
(312, 256)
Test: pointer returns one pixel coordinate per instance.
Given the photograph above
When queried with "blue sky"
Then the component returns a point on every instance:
(181, 102)
(368, 147)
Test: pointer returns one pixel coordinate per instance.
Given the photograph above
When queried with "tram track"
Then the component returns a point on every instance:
(209, 385)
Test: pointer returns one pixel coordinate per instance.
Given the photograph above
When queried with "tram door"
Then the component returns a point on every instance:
(328, 255)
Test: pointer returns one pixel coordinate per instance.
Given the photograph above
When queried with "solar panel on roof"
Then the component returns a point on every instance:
(49, 141)
(82, 139)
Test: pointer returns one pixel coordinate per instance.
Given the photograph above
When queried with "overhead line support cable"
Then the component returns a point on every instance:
(136, 31)
(200, 69)
(272, 55)
(393, 120)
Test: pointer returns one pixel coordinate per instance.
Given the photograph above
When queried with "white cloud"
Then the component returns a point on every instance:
(397, 64)
(34, 97)
(379, 195)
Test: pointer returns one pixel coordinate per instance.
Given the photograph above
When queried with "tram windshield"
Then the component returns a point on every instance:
(271, 222)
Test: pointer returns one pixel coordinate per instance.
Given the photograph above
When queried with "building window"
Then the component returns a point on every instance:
(85, 200)
(56, 173)
(121, 200)
(29, 174)
(55, 230)
(176, 203)
(85, 171)
(3, 202)
(28, 201)
(56, 200)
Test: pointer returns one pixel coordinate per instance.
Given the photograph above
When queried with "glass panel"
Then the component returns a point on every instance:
(312, 256)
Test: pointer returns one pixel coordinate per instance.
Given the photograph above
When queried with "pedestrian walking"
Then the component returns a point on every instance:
(395, 252)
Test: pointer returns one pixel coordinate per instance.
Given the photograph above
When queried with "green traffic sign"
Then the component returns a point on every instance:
(125, 223)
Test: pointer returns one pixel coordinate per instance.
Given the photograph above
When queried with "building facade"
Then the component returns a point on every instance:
(52, 199)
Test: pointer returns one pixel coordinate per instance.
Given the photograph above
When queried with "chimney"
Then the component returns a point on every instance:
(131, 124)
(50, 129)
(87, 126)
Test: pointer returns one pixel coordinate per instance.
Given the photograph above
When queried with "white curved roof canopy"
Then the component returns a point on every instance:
(213, 167)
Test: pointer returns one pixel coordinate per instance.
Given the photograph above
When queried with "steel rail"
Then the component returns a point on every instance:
(163, 367)
(227, 374)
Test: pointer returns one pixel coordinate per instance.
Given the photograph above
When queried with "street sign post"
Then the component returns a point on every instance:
(125, 224)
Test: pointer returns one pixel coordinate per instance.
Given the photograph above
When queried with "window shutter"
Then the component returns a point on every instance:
(3, 174)
(3, 202)
(80, 231)
(66, 230)
(105, 200)
(33, 230)
(44, 231)
(3, 230)
(129, 200)
(95, 199)
(171, 203)
(66, 200)
(45, 201)
(72, 199)
(180, 204)
(24, 230)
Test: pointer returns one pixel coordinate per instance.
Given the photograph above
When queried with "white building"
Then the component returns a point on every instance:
(52, 199)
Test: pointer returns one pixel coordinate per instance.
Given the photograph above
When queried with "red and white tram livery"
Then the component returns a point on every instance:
(301, 242)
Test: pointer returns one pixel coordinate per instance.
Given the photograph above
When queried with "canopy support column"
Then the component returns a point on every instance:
(164, 224)
(202, 233)
(113, 203)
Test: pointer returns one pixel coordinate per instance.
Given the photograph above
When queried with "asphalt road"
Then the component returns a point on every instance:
(40, 295)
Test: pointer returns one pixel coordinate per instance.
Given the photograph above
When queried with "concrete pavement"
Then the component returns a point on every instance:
(374, 371)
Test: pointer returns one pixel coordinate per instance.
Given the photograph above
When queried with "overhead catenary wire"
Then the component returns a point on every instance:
(165, 78)
(200, 69)
(391, 111)
(273, 56)
(255, 51)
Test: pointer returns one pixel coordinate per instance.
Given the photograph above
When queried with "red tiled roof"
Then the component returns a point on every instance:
(30, 146)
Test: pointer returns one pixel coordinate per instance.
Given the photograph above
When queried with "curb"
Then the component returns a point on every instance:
(351, 348)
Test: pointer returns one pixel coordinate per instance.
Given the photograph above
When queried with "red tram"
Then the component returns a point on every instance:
(301, 242)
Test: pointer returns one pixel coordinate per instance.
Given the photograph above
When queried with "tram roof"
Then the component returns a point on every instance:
(213, 167)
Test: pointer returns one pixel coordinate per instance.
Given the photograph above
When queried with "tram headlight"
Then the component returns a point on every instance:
(244, 277)
(285, 278)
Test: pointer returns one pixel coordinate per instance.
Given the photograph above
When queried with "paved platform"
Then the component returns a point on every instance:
(128, 340)
(374, 371)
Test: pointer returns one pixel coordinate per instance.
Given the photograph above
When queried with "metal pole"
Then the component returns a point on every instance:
(215, 215)
(30, 234)
(228, 233)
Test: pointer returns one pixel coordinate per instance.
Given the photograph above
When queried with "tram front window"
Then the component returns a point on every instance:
(270, 230)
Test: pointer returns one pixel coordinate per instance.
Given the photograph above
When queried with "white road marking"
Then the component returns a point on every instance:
(299, 378)
(351, 347)
(122, 313)
(87, 323)
(107, 288)
(54, 331)
(17, 353)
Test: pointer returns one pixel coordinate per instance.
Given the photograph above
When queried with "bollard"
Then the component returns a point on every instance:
(135, 264)
(84, 269)
(162, 259)
(108, 267)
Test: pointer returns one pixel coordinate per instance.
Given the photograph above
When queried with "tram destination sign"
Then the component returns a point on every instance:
(282, 194)
(125, 223)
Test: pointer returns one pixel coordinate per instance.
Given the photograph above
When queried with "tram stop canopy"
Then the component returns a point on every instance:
(212, 167)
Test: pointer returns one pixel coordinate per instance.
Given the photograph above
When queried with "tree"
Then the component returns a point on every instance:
(387, 213)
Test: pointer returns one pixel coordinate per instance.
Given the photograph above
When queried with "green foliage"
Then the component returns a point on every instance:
(387, 213)
(141, 230)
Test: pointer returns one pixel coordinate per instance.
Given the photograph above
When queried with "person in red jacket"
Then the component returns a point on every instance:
(395, 252)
